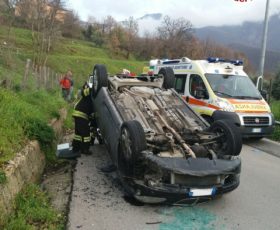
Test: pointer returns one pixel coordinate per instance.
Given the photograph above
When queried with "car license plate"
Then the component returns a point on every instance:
(201, 192)
(257, 130)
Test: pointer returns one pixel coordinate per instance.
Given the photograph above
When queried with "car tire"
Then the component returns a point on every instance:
(168, 77)
(100, 78)
(230, 142)
(132, 143)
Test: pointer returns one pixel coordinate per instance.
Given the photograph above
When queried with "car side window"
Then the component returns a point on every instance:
(197, 87)
(180, 83)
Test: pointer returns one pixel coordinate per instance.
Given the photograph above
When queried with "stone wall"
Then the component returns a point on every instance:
(26, 167)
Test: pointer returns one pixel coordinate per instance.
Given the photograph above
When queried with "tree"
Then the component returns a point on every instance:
(88, 32)
(108, 25)
(7, 16)
(44, 17)
(130, 35)
(98, 36)
(114, 40)
(276, 87)
(71, 25)
(174, 36)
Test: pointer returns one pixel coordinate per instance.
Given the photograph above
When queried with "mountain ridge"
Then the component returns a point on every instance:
(247, 38)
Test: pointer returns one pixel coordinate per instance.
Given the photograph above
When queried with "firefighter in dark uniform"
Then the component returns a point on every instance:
(83, 111)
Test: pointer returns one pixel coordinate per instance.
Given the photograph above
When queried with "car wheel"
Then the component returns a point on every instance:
(230, 141)
(132, 143)
(168, 77)
(100, 78)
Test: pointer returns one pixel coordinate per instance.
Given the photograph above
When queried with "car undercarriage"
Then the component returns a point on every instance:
(164, 151)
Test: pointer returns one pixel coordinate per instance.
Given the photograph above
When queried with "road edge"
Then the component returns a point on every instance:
(266, 145)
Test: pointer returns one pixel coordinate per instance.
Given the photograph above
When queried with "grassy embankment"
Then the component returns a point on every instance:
(18, 107)
(25, 113)
(275, 107)
(34, 212)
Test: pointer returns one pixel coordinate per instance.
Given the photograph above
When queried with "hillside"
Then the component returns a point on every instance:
(247, 38)
(272, 63)
(79, 56)
(248, 33)
(25, 112)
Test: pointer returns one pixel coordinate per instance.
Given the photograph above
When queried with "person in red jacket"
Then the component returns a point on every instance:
(66, 83)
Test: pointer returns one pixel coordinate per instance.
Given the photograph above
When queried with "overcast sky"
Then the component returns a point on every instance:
(199, 12)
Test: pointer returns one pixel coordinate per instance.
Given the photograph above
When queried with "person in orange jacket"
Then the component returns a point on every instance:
(66, 84)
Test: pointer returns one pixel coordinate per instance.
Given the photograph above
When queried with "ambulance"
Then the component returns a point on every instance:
(220, 89)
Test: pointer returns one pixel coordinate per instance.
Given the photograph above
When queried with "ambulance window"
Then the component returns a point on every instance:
(180, 84)
(197, 88)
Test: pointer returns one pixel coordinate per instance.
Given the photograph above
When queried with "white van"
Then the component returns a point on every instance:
(220, 89)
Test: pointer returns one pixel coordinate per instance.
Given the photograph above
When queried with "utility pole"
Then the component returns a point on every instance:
(265, 29)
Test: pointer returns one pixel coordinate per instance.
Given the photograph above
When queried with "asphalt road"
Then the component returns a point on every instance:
(97, 201)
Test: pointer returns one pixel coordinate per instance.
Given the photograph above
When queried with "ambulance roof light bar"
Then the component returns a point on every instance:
(216, 60)
(175, 61)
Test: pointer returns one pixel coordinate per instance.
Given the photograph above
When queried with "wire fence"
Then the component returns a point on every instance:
(33, 77)
(43, 76)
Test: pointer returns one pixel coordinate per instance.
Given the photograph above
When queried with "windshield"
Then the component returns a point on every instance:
(233, 86)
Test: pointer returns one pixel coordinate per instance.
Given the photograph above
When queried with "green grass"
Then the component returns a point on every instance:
(33, 211)
(24, 115)
(79, 56)
(3, 177)
(21, 109)
(275, 108)
(69, 122)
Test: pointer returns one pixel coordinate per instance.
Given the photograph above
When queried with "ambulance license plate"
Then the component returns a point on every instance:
(257, 130)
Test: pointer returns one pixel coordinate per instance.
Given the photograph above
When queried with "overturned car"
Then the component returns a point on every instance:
(163, 150)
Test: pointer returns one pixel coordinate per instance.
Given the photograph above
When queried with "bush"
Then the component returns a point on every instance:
(3, 177)
(25, 115)
(39, 130)
(276, 87)
(275, 108)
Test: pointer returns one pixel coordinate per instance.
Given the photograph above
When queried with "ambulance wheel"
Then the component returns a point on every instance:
(100, 78)
(168, 77)
(230, 139)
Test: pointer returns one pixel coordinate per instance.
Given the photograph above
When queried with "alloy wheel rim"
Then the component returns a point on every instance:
(126, 144)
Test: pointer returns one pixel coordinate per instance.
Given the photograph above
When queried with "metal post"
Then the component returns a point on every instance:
(26, 73)
(265, 29)
(270, 92)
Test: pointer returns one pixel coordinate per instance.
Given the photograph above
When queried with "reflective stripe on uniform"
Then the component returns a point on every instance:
(86, 92)
(78, 138)
(82, 139)
(87, 139)
(77, 113)
(76, 103)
